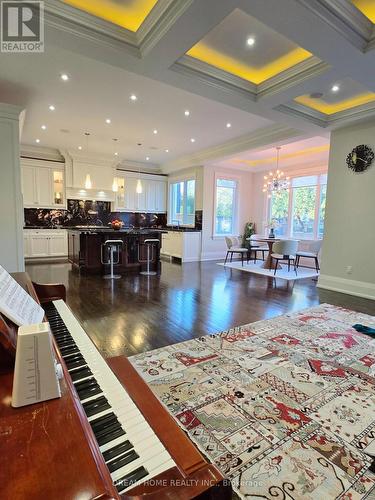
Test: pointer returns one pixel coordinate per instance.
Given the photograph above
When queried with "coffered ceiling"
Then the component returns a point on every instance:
(266, 67)
(128, 14)
(247, 48)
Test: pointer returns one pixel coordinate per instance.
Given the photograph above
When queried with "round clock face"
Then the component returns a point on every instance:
(360, 158)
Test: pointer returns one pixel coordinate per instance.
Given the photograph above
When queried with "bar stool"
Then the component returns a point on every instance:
(150, 243)
(109, 247)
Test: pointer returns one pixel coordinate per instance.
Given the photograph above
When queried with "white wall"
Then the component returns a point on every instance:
(214, 247)
(350, 217)
(11, 205)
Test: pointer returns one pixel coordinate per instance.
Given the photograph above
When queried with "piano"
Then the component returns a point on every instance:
(107, 437)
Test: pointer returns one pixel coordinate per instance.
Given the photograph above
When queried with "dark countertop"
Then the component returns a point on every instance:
(117, 231)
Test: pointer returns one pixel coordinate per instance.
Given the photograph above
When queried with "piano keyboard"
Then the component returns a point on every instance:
(132, 451)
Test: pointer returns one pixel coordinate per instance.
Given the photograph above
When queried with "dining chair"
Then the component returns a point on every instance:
(233, 246)
(255, 247)
(312, 253)
(285, 250)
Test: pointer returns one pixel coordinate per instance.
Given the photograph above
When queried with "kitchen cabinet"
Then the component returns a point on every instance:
(152, 199)
(45, 244)
(183, 245)
(42, 184)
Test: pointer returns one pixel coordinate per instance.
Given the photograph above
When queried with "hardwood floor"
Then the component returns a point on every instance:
(137, 313)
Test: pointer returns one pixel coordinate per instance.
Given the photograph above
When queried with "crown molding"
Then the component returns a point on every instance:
(10, 111)
(299, 73)
(214, 77)
(259, 138)
(138, 165)
(343, 17)
(63, 17)
(41, 153)
(337, 119)
(223, 80)
(161, 18)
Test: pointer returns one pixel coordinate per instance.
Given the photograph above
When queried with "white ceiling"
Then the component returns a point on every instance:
(97, 91)
(106, 64)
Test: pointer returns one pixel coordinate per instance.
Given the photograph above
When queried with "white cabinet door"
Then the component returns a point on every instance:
(58, 244)
(26, 245)
(44, 187)
(161, 196)
(39, 245)
(28, 178)
(151, 196)
(130, 193)
(58, 188)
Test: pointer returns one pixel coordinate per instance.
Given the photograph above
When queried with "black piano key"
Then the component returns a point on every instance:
(117, 450)
(80, 373)
(75, 361)
(122, 461)
(131, 478)
(87, 388)
(106, 429)
(110, 436)
(96, 406)
(104, 421)
(66, 351)
(66, 343)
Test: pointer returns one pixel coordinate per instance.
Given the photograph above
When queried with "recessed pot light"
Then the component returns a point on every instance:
(43, 127)
(80, 148)
(147, 158)
(187, 112)
(155, 131)
(37, 141)
(167, 150)
(116, 154)
(108, 121)
(335, 88)
(228, 125)
(250, 41)
(51, 107)
(192, 139)
(64, 77)
(133, 97)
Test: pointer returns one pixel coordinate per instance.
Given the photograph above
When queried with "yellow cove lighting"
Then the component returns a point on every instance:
(128, 14)
(207, 54)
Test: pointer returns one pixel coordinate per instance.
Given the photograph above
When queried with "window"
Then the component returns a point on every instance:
(299, 211)
(280, 212)
(225, 207)
(182, 203)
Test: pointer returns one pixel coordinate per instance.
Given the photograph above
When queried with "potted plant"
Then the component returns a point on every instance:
(248, 231)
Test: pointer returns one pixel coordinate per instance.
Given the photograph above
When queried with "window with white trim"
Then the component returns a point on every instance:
(300, 210)
(182, 203)
(225, 206)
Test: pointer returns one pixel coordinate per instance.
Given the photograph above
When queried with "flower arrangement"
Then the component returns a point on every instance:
(272, 225)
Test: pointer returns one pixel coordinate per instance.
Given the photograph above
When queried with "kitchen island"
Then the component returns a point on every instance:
(85, 247)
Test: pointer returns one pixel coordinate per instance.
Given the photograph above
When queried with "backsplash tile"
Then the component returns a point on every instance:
(92, 213)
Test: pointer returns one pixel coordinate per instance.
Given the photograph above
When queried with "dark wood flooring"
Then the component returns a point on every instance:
(138, 313)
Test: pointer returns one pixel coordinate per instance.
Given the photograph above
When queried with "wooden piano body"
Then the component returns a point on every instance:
(48, 450)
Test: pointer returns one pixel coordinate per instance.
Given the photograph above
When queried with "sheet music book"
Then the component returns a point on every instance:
(16, 304)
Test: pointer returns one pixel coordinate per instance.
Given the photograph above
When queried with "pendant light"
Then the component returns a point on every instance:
(88, 183)
(115, 180)
(139, 188)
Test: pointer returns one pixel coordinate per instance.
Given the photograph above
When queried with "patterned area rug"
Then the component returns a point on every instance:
(285, 407)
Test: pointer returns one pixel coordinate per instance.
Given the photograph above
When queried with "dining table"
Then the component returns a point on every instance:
(269, 263)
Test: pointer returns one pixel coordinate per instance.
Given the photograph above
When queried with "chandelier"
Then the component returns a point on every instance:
(276, 182)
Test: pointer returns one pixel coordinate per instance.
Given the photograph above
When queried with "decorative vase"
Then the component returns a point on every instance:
(272, 233)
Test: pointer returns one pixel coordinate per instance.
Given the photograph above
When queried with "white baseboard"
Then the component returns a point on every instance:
(213, 256)
(343, 285)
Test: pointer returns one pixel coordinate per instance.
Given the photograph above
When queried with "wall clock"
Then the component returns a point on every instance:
(360, 158)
